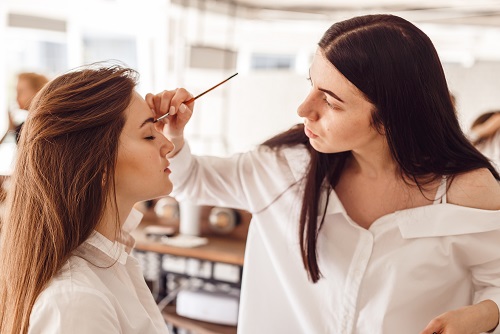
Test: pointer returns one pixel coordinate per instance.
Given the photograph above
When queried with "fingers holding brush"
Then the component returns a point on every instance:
(179, 112)
(160, 103)
(180, 98)
(173, 109)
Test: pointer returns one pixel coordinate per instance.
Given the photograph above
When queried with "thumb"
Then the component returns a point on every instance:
(184, 114)
(433, 328)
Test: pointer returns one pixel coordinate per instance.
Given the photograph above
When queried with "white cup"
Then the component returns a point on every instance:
(189, 218)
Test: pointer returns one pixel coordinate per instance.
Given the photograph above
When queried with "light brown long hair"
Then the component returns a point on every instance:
(63, 176)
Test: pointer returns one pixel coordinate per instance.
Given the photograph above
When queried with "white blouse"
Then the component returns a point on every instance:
(100, 289)
(407, 268)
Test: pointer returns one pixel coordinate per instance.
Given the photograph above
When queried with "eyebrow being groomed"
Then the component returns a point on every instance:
(149, 120)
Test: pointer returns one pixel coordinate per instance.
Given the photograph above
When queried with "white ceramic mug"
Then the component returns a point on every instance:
(189, 218)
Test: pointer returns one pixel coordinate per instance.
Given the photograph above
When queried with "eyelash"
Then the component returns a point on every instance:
(150, 138)
(328, 103)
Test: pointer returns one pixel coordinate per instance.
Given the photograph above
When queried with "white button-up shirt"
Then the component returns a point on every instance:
(407, 268)
(100, 289)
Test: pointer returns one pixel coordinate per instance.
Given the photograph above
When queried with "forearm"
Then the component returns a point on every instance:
(487, 313)
(207, 180)
(482, 317)
(478, 318)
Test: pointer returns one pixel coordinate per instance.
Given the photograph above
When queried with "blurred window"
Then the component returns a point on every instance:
(272, 62)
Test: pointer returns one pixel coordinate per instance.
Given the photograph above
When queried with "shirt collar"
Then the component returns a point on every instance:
(103, 252)
(132, 221)
(334, 204)
(298, 160)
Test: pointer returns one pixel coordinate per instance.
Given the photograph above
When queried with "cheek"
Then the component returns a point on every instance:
(344, 133)
(129, 165)
(340, 126)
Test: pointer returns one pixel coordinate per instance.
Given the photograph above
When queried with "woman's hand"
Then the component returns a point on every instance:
(474, 319)
(172, 101)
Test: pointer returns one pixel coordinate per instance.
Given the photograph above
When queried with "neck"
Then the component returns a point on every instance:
(111, 223)
(373, 162)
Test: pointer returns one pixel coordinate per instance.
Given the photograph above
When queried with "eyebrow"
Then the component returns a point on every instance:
(149, 120)
(335, 96)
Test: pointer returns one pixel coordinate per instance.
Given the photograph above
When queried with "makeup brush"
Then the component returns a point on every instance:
(197, 96)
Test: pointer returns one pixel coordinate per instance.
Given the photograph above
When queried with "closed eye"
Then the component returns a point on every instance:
(328, 103)
(150, 138)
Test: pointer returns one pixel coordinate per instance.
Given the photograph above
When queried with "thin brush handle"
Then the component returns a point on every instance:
(197, 96)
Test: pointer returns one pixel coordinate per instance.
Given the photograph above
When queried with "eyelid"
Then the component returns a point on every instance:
(330, 105)
(326, 101)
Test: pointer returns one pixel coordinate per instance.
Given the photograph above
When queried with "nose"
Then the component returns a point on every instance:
(306, 108)
(166, 147)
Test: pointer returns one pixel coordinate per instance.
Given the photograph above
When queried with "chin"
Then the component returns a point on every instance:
(318, 147)
(159, 193)
(323, 149)
(168, 189)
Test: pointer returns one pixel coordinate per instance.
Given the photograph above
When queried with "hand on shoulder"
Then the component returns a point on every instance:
(475, 189)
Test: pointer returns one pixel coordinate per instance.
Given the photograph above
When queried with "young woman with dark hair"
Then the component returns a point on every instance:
(88, 151)
(377, 215)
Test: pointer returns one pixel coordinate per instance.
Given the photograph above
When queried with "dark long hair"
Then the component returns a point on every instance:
(395, 65)
(63, 177)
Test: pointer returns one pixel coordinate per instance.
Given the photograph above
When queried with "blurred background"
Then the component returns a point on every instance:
(197, 43)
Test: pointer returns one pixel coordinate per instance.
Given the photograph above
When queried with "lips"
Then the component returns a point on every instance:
(309, 133)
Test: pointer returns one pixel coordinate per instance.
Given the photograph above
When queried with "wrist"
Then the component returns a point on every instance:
(178, 145)
(489, 314)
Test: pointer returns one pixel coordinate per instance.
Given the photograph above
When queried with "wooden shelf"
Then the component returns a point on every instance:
(196, 326)
(218, 249)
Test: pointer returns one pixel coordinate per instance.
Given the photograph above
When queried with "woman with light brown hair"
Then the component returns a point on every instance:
(88, 151)
(485, 135)
(28, 85)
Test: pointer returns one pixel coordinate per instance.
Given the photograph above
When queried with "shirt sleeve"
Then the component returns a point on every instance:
(76, 312)
(249, 180)
(473, 234)
(486, 273)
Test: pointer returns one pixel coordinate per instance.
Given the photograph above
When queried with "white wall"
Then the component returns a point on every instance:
(476, 88)
(263, 104)
(144, 23)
